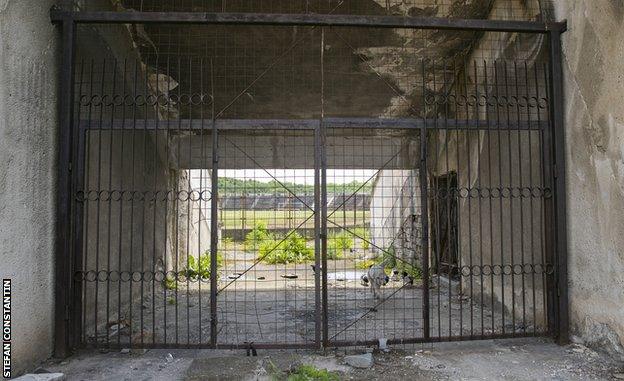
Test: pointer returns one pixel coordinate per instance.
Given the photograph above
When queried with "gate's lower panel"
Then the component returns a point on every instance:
(488, 246)
(374, 255)
(145, 239)
(266, 279)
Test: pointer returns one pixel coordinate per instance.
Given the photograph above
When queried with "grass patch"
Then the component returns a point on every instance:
(311, 373)
(293, 249)
(302, 373)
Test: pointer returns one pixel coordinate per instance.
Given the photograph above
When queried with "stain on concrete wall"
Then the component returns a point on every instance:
(28, 101)
(594, 85)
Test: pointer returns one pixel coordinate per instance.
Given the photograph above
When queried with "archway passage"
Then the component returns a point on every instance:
(291, 187)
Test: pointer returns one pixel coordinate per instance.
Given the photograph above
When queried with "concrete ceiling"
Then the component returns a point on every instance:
(271, 72)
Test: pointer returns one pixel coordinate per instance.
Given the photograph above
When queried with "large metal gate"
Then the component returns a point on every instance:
(227, 193)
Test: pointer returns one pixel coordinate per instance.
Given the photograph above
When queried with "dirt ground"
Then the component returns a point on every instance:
(518, 359)
(264, 306)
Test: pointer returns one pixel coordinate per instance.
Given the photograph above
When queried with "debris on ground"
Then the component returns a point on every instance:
(41, 377)
(519, 359)
(363, 361)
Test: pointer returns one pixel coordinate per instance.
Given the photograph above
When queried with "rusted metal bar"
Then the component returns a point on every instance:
(214, 223)
(424, 220)
(318, 317)
(558, 173)
(276, 19)
(63, 267)
(307, 124)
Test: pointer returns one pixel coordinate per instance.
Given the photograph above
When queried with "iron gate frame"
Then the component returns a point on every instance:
(69, 167)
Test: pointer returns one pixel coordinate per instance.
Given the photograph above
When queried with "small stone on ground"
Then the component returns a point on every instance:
(42, 377)
(363, 361)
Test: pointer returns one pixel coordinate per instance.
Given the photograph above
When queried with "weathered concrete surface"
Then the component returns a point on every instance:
(594, 85)
(396, 149)
(28, 100)
(42, 377)
(395, 203)
(489, 360)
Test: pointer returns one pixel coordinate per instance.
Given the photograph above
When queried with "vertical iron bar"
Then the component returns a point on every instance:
(507, 120)
(501, 220)
(213, 221)
(63, 268)
(542, 183)
(558, 173)
(520, 187)
(78, 228)
(121, 201)
(469, 187)
(548, 210)
(317, 237)
(531, 202)
(424, 219)
(490, 184)
(479, 200)
(323, 138)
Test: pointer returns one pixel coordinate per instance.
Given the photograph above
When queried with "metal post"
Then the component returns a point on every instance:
(317, 238)
(322, 143)
(558, 173)
(424, 243)
(63, 267)
(214, 226)
(78, 239)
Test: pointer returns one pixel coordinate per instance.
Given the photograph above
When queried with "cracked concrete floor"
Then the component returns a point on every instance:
(519, 359)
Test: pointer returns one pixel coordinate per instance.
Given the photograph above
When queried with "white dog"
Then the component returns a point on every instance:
(376, 277)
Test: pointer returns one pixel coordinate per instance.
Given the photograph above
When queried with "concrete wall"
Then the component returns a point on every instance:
(395, 212)
(594, 86)
(28, 101)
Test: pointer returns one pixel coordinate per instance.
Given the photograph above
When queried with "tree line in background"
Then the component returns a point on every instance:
(232, 186)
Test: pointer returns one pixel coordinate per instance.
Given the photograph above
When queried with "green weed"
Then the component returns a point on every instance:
(200, 268)
(293, 249)
(170, 284)
(338, 244)
(255, 238)
(311, 373)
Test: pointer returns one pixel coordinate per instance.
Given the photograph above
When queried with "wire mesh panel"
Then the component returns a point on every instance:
(489, 195)
(501, 10)
(268, 246)
(142, 222)
(373, 251)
